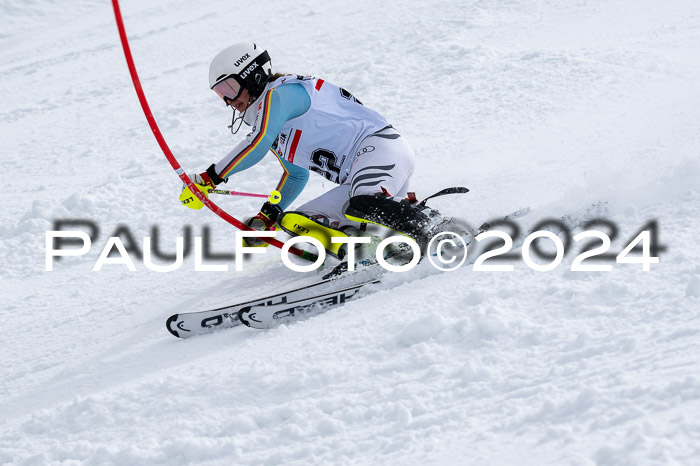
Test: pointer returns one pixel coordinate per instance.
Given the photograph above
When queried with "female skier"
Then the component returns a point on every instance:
(312, 125)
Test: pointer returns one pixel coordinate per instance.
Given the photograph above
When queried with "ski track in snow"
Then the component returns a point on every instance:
(576, 110)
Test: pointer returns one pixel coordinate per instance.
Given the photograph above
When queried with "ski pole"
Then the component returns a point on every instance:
(274, 197)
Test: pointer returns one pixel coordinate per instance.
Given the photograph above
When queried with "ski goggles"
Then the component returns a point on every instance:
(228, 89)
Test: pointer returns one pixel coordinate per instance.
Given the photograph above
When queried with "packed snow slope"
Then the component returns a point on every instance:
(577, 110)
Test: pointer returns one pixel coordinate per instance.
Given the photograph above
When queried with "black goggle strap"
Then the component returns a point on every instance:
(245, 77)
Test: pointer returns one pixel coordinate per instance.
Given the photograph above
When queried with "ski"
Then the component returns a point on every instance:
(510, 217)
(335, 288)
(269, 316)
(396, 255)
(189, 324)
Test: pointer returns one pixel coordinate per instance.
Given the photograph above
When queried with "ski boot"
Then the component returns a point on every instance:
(406, 216)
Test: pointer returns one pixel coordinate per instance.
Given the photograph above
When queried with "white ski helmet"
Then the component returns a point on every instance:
(247, 63)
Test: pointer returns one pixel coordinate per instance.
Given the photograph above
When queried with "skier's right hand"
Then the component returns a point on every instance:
(205, 182)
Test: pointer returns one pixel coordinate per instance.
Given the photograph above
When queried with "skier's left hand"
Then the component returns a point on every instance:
(263, 221)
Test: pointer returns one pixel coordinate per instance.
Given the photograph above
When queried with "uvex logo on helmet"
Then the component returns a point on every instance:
(248, 70)
(241, 60)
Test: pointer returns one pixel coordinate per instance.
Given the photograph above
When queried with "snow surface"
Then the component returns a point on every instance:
(574, 109)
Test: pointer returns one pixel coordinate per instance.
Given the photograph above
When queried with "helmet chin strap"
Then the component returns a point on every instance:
(234, 119)
(240, 117)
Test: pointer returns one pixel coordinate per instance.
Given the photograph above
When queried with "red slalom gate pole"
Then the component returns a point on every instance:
(169, 155)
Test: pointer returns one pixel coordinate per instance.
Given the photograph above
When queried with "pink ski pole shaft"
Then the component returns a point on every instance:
(274, 197)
